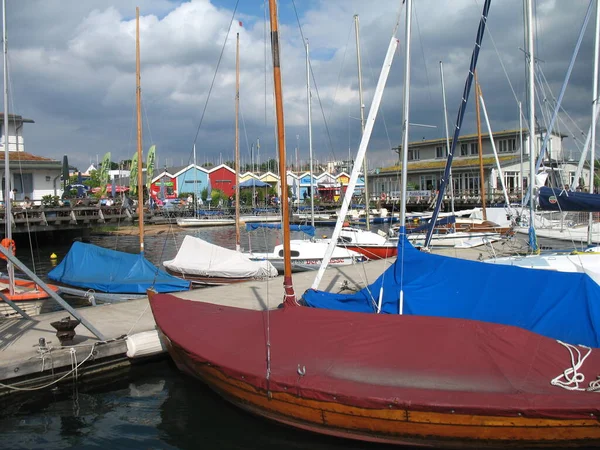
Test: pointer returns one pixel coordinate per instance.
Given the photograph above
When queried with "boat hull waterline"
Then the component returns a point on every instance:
(449, 405)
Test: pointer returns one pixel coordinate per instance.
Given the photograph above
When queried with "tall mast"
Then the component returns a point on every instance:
(310, 149)
(289, 295)
(521, 153)
(237, 144)
(138, 97)
(7, 184)
(531, 100)
(594, 116)
(362, 117)
(405, 110)
(447, 140)
(480, 149)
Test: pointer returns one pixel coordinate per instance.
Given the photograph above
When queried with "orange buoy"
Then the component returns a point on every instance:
(8, 244)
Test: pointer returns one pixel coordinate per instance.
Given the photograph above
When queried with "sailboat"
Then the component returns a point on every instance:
(207, 264)
(426, 376)
(564, 201)
(26, 294)
(113, 275)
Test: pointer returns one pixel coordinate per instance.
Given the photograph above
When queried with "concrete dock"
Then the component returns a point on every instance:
(32, 357)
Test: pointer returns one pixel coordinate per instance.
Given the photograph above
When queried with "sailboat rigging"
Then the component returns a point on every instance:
(207, 264)
(25, 293)
(112, 274)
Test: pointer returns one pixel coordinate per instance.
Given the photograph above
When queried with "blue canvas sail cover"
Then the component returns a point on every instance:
(556, 199)
(559, 305)
(91, 267)
(306, 229)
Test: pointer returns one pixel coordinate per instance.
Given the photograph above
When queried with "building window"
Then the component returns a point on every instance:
(427, 182)
(507, 145)
(441, 151)
(413, 154)
(474, 148)
(511, 181)
(464, 150)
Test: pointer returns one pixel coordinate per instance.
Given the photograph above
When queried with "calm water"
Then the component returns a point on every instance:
(153, 406)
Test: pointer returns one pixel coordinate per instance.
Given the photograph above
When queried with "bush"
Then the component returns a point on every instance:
(50, 200)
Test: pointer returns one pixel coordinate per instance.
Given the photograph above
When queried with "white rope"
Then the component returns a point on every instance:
(74, 369)
(138, 319)
(572, 376)
(73, 354)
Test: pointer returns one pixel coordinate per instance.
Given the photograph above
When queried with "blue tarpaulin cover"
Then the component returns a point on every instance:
(560, 305)
(556, 199)
(306, 229)
(92, 267)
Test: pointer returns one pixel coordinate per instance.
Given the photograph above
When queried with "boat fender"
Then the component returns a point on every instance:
(146, 343)
(10, 245)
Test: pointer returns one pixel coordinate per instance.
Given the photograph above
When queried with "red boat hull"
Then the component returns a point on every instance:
(385, 378)
(374, 251)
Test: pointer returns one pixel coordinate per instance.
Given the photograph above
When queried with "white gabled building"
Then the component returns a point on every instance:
(32, 176)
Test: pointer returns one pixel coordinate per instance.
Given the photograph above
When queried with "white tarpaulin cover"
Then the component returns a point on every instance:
(198, 257)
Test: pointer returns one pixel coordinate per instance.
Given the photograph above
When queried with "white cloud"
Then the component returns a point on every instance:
(73, 72)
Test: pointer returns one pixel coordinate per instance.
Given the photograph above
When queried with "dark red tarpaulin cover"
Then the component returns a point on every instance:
(370, 360)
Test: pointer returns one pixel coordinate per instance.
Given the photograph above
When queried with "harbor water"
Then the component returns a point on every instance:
(151, 406)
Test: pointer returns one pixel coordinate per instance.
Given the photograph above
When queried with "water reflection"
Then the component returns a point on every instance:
(155, 407)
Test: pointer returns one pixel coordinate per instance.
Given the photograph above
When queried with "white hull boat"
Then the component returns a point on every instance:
(582, 262)
(204, 221)
(308, 255)
(458, 239)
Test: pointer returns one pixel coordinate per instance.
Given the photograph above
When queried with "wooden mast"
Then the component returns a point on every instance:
(289, 295)
(480, 149)
(237, 144)
(138, 97)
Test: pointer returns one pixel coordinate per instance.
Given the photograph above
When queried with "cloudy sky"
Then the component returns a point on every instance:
(72, 70)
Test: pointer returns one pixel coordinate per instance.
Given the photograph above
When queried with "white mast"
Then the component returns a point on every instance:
(531, 91)
(447, 140)
(594, 116)
(7, 184)
(489, 126)
(362, 149)
(310, 149)
(405, 123)
(362, 117)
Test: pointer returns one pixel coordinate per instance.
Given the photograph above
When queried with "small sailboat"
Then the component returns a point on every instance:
(371, 245)
(305, 254)
(206, 264)
(114, 275)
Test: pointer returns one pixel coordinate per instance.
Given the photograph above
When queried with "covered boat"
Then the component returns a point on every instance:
(207, 264)
(88, 266)
(388, 378)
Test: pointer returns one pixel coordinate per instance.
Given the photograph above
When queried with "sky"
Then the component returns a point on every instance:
(72, 70)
